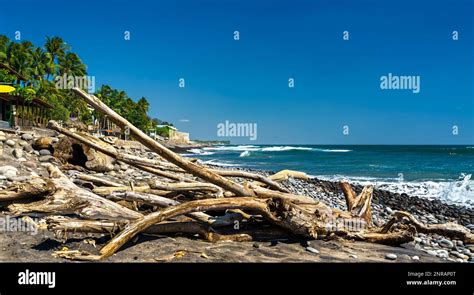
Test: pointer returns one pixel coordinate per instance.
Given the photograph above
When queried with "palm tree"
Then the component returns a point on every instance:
(42, 64)
(143, 104)
(71, 64)
(19, 57)
(56, 48)
(4, 44)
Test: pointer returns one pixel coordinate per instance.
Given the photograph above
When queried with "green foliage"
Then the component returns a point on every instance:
(41, 64)
(134, 112)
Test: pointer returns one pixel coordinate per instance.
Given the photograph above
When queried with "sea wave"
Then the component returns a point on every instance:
(459, 192)
(244, 154)
(195, 152)
(255, 148)
(332, 150)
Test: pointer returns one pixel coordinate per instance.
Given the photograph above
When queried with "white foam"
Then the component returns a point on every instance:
(244, 154)
(196, 152)
(333, 150)
(254, 148)
(460, 192)
(285, 148)
(232, 148)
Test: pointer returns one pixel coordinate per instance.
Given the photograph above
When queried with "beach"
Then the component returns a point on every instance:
(26, 161)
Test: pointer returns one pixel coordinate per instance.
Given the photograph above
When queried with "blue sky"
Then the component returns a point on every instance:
(337, 82)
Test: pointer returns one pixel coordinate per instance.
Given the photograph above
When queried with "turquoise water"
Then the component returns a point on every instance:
(431, 171)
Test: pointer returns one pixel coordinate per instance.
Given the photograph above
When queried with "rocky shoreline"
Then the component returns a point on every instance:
(22, 156)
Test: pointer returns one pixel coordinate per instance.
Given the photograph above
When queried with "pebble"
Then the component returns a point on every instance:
(446, 243)
(8, 171)
(2, 138)
(255, 245)
(391, 256)
(442, 253)
(30, 164)
(10, 142)
(27, 136)
(432, 252)
(44, 152)
(312, 250)
(416, 258)
(22, 143)
(28, 148)
(18, 153)
(47, 158)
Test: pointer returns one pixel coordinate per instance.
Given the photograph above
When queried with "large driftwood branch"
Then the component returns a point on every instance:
(450, 229)
(186, 208)
(33, 189)
(349, 194)
(360, 205)
(219, 221)
(157, 201)
(71, 199)
(193, 168)
(69, 225)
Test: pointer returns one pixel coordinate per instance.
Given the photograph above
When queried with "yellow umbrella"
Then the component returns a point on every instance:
(6, 88)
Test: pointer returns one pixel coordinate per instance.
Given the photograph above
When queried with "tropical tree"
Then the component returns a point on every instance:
(41, 64)
(20, 57)
(4, 45)
(71, 64)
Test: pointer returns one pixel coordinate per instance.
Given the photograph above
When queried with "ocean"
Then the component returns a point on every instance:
(441, 172)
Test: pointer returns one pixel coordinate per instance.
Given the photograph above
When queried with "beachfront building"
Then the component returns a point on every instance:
(172, 134)
(16, 111)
